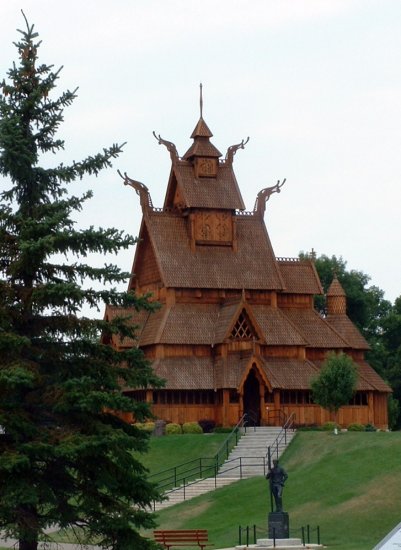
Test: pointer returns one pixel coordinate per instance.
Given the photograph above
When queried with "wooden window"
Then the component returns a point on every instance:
(234, 396)
(243, 329)
(295, 397)
(184, 397)
(359, 399)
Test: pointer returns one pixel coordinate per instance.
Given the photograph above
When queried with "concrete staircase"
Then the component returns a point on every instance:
(195, 488)
(248, 458)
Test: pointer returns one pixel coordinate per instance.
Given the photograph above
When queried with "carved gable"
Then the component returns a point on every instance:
(213, 227)
(243, 328)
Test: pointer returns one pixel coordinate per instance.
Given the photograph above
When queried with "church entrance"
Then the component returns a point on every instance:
(252, 398)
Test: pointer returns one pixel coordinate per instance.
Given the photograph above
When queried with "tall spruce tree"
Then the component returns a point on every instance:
(65, 459)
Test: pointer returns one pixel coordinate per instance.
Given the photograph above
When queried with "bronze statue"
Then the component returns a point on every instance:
(277, 477)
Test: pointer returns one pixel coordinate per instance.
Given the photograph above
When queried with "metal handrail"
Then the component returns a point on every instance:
(194, 470)
(274, 448)
(177, 475)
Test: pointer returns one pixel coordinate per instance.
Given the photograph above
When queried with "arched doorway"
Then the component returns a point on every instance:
(252, 398)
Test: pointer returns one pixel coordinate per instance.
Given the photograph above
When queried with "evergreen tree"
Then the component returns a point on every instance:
(64, 457)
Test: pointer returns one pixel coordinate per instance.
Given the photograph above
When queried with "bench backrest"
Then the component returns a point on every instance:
(181, 535)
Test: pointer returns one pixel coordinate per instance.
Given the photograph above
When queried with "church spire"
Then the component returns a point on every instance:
(201, 147)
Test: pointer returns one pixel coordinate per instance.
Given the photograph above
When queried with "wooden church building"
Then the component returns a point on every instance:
(236, 331)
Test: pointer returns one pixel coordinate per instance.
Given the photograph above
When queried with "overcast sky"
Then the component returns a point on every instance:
(316, 84)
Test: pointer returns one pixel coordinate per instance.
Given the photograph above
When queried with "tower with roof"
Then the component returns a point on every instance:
(236, 331)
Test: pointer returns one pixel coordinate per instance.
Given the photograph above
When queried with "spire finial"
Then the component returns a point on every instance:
(201, 100)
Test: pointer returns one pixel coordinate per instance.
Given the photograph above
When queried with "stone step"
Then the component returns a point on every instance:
(197, 487)
(248, 458)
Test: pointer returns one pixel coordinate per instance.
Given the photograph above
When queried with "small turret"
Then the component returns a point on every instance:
(336, 298)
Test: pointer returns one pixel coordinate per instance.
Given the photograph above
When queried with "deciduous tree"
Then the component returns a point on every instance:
(64, 458)
(336, 382)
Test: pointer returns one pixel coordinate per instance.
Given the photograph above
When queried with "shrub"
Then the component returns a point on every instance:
(307, 427)
(223, 430)
(191, 428)
(330, 426)
(173, 429)
(146, 426)
(370, 428)
(356, 427)
(207, 425)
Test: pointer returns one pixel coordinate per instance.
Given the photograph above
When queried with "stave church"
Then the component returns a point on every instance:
(237, 331)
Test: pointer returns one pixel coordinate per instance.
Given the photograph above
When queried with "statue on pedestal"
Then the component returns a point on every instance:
(277, 477)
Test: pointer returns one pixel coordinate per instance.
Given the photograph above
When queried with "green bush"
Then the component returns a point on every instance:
(356, 427)
(191, 428)
(370, 428)
(330, 426)
(147, 426)
(173, 429)
(223, 430)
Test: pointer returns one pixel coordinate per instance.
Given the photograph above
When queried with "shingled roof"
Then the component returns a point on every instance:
(290, 374)
(220, 192)
(348, 331)
(315, 330)
(185, 373)
(300, 277)
(219, 267)
(207, 324)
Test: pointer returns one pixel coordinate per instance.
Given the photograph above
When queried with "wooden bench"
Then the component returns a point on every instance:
(182, 537)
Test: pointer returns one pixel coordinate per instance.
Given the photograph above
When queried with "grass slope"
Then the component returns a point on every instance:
(348, 484)
(169, 451)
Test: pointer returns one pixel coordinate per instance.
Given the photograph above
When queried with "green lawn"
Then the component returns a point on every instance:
(169, 451)
(349, 485)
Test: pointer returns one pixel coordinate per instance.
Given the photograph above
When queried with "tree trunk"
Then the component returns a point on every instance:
(27, 544)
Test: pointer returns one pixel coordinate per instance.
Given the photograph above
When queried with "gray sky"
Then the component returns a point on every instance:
(316, 84)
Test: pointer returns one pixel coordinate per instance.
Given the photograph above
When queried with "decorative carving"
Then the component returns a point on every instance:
(171, 148)
(213, 228)
(205, 167)
(141, 190)
(264, 195)
(234, 148)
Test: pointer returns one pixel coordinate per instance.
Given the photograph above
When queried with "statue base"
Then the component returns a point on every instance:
(278, 525)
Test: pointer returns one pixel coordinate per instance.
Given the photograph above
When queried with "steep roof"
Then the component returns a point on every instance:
(315, 330)
(300, 277)
(221, 192)
(348, 331)
(282, 373)
(202, 146)
(185, 373)
(290, 374)
(249, 267)
(335, 289)
(206, 324)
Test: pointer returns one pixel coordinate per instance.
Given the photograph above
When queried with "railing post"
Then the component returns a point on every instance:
(254, 534)
(303, 535)
(215, 476)
(175, 476)
(247, 535)
(239, 535)
(308, 533)
(274, 537)
(184, 490)
(318, 534)
(240, 467)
